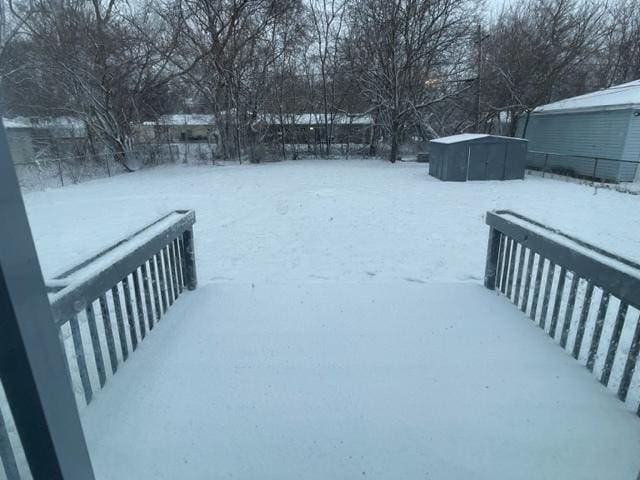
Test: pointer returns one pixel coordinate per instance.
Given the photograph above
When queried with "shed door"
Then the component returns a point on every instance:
(487, 161)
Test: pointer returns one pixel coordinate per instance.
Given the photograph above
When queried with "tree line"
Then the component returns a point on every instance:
(420, 68)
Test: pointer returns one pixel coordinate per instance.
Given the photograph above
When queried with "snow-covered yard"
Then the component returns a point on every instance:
(340, 331)
(310, 221)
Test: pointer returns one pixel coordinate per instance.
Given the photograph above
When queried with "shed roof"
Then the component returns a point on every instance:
(462, 137)
(626, 95)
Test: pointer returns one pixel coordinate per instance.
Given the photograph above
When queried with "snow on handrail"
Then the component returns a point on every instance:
(129, 287)
(561, 282)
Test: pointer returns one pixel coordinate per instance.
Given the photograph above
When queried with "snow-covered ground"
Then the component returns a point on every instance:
(322, 342)
(315, 221)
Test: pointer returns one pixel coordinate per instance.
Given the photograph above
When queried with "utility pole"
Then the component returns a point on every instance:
(478, 79)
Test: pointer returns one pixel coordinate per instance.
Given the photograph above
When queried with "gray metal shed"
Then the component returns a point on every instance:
(474, 156)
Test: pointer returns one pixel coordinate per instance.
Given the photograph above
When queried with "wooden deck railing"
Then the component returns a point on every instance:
(108, 304)
(585, 298)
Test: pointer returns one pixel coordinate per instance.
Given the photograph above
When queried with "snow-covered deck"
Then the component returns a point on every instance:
(326, 380)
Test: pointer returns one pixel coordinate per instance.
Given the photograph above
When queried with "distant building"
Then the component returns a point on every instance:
(588, 135)
(181, 128)
(310, 128)
(306, 128)
(33, 138)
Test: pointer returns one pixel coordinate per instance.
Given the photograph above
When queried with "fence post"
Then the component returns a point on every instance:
(595, 168)
(60, 173)
(493, 250)
(546, 161)
(191, 277)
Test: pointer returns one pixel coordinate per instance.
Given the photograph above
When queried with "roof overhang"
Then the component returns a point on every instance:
(602, 108)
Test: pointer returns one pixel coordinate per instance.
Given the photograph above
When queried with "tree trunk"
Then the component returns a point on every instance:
(395, 137)
(394, 149)
(120, 156)
(513, 125)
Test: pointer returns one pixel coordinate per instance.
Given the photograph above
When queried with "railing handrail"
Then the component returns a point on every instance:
(579, 241)
(532, 264)
(616, 274)
(95, 256)
(589, 157)
(76, 290)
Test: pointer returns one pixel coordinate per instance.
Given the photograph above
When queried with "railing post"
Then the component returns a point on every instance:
(191, 277)
(493, 249)
(546, 161)
(32, 363)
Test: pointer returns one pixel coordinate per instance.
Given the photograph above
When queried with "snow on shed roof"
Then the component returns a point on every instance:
(462, 137)
(626, 95)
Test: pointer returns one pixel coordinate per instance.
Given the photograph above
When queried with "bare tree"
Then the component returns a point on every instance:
(227, 50)
(10, 29)
(619, 58)
(400, 51)
(285, 84)
(421, 68)
(328, 25)
(103, 56)
(534, 51)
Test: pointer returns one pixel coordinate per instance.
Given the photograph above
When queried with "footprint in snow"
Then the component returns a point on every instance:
(282, 207)
(414, 280)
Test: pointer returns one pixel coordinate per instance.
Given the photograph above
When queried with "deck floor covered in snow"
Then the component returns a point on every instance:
(342, 381)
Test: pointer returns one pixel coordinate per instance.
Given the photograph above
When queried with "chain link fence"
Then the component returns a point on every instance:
(68, 170)
(592, 168)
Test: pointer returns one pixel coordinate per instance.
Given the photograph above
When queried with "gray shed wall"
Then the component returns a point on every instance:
(488, 158)
(448, 161)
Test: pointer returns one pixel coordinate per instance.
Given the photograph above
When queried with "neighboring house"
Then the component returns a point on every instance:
(307, 128)
(588, 134)
(35, 138)
(181, 128)
(310, 128)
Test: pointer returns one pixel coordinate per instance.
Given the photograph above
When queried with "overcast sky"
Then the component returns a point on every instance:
(494, 6)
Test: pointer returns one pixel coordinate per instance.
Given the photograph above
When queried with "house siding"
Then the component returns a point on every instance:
(630, 172)
(600, 134)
